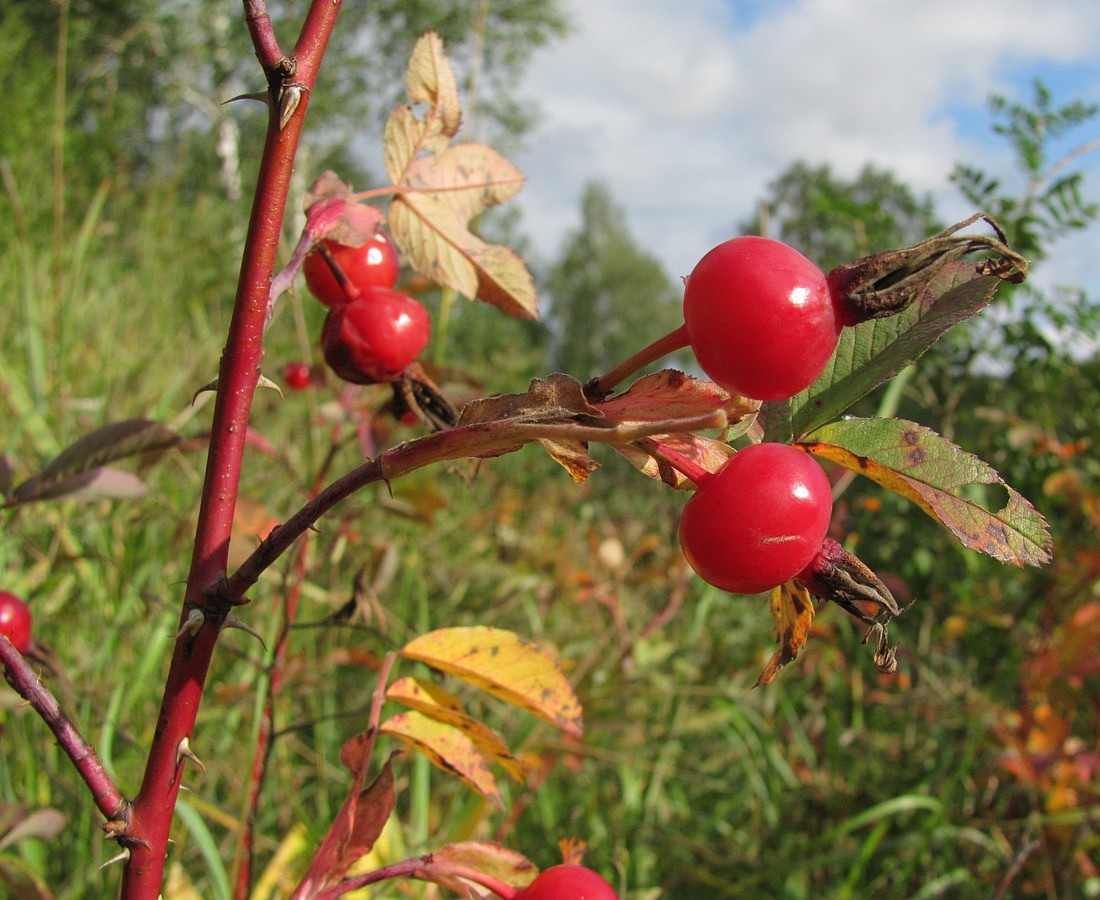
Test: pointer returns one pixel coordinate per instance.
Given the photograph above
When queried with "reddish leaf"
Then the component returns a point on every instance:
(793, 612)
(934, 473)
(333, 215)
(706, 452)
(354, 832)
(75, 468)
(517, 671)
(482, 857)
(671, 394)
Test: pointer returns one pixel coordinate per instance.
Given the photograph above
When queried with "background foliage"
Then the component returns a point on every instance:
(974, 771)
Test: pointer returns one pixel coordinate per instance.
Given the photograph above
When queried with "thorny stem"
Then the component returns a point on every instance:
(153, 808)
(478, 440)
(599, 388)
(24, 680)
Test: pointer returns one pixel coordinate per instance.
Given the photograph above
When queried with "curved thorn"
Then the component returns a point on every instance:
(184, 751)
(124, 856)
(231, 621)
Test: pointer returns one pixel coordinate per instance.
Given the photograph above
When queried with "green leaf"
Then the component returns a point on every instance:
(870, 353)
(943, 480)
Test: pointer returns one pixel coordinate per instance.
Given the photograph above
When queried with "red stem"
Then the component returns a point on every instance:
(27, 684)
(689, 468)
(670, 343)
(154, 805)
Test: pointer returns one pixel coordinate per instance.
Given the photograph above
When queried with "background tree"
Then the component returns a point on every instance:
(833, 220)
(605, 291)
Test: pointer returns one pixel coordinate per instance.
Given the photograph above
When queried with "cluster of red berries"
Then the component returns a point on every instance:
(15, 621)
(763, 322)
(372, 332)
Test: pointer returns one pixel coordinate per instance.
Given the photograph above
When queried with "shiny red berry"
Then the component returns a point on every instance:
(760, 317)
(15, 621)
(296, 375)
(374, 264)
(759, 520)
(568, 882)
(375, 337)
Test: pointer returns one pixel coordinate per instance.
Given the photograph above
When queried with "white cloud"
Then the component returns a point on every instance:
(688, 115)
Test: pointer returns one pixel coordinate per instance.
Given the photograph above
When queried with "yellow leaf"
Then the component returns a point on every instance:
(437, 703)
(447, 747)
(497, 661)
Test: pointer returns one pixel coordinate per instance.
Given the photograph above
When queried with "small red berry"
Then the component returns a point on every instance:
(760, 317)
(15, 621)
(759, 520)
(374, 264)
(296, 375)
(375, 337)
(568, 882)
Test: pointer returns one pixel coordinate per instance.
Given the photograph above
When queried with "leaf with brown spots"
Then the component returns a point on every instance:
(793, 612)
(449, 748)
(954, 487)
(499, 662)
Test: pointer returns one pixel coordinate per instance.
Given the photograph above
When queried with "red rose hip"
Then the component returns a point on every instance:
(374, 338)
(759, 520)
(15, 621)
(760, 318)
(568, 882)
(374, 264)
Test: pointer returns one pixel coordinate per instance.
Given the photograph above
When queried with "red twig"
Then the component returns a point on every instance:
(598, 388)
(24, 680)
(203, 609)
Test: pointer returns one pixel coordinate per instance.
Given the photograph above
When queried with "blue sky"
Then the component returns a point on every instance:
(688, 110)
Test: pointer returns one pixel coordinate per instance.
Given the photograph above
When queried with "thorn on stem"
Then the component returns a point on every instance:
(191, 625)
(184, 751)
(123, 857)
(231, 621)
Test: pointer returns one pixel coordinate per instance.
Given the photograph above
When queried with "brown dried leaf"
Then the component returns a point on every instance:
(793, 612)
(555, 398)
(430, 79)
(571, 456)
